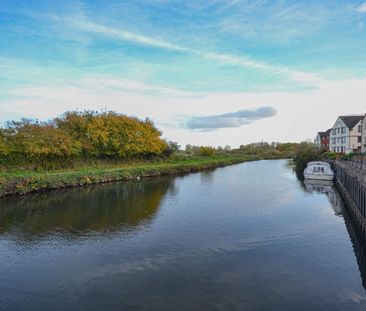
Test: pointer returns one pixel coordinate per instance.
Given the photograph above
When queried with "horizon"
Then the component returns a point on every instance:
(220, 72)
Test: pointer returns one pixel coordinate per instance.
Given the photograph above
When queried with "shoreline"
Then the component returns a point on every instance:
(31, 182)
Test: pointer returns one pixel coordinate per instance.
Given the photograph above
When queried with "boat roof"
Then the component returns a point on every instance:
(318, 163)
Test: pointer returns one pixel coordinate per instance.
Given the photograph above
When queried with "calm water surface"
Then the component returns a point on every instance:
(244, 237)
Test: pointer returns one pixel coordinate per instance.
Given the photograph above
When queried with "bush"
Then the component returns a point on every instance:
(206, 151)
(330, 155)
(306, 152)
(347, 156)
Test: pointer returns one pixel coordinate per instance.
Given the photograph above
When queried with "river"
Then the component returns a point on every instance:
(245, 237)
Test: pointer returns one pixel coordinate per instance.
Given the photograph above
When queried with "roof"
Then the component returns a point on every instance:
(326, 133)
(351, 121)
(318, 163)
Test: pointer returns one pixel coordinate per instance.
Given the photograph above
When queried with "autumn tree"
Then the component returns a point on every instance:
(39, 139)
(112, 134)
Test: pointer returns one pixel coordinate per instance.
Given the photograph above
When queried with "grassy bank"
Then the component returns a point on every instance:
(23, 182)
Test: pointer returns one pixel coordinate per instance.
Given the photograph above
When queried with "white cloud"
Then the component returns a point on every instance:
(125, 35)
(280, 22)
(229, 59)
(361, 8)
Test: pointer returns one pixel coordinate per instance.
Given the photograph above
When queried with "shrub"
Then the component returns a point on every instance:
(206, 151)
(306, 152)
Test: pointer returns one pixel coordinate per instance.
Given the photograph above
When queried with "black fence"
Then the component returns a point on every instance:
(355, 188)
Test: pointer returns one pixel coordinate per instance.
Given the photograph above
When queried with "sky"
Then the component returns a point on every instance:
(207, 72)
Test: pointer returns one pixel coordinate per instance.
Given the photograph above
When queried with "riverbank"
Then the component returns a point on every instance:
(24, 182)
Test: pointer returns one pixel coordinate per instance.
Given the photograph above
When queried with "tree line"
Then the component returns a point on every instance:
(75, 134)
(84, 137)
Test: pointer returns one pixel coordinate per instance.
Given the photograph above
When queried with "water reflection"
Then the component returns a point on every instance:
(98, 208)
(244, 237)
(326, 187)
(356, 231)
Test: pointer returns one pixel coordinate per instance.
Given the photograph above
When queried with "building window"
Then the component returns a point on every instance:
(334, 149)
(338, 130)
(343, 140)
(360, 128)
(338, 139)
(333, 140)
(344, 129)
(359, 139)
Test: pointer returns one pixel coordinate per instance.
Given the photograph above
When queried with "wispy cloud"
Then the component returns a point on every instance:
(231, 119)
(222, 58)
(361, 8)
(126, 35)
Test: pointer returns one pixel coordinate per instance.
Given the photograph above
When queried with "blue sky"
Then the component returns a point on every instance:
(176, 61)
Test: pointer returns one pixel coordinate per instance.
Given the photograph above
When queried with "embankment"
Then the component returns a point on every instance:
(23, 182)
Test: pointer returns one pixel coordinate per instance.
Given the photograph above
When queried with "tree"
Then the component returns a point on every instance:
(206, 151)
(3, 145)
(188, 149)
(40, 139)
(172, 147)
(306, 152)
(86, 134)
(111, 134)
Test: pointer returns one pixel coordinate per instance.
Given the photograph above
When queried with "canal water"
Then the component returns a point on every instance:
(245, 237)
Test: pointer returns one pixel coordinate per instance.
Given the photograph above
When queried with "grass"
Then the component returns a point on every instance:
(22, 182)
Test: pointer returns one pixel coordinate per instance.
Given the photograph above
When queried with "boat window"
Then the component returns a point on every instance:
(318, 169)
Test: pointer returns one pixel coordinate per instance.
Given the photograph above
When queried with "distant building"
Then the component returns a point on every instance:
(364, 134)
(346, 134)
(322, 140)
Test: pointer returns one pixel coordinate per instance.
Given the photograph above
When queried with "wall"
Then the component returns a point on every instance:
(351, 183)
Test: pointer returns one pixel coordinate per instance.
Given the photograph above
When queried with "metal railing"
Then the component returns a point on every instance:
(355, 188)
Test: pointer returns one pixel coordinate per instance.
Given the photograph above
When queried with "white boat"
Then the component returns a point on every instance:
(318, 170)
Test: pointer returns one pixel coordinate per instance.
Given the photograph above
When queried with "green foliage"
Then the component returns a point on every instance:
(3, 145)
(172, 148)
(348, 156)
(305, 152)
(329, 155)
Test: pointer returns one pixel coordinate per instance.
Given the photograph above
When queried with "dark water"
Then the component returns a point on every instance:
(245, 237)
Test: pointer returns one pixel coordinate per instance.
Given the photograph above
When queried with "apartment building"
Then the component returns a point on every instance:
(346, 134)
(322, 140)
